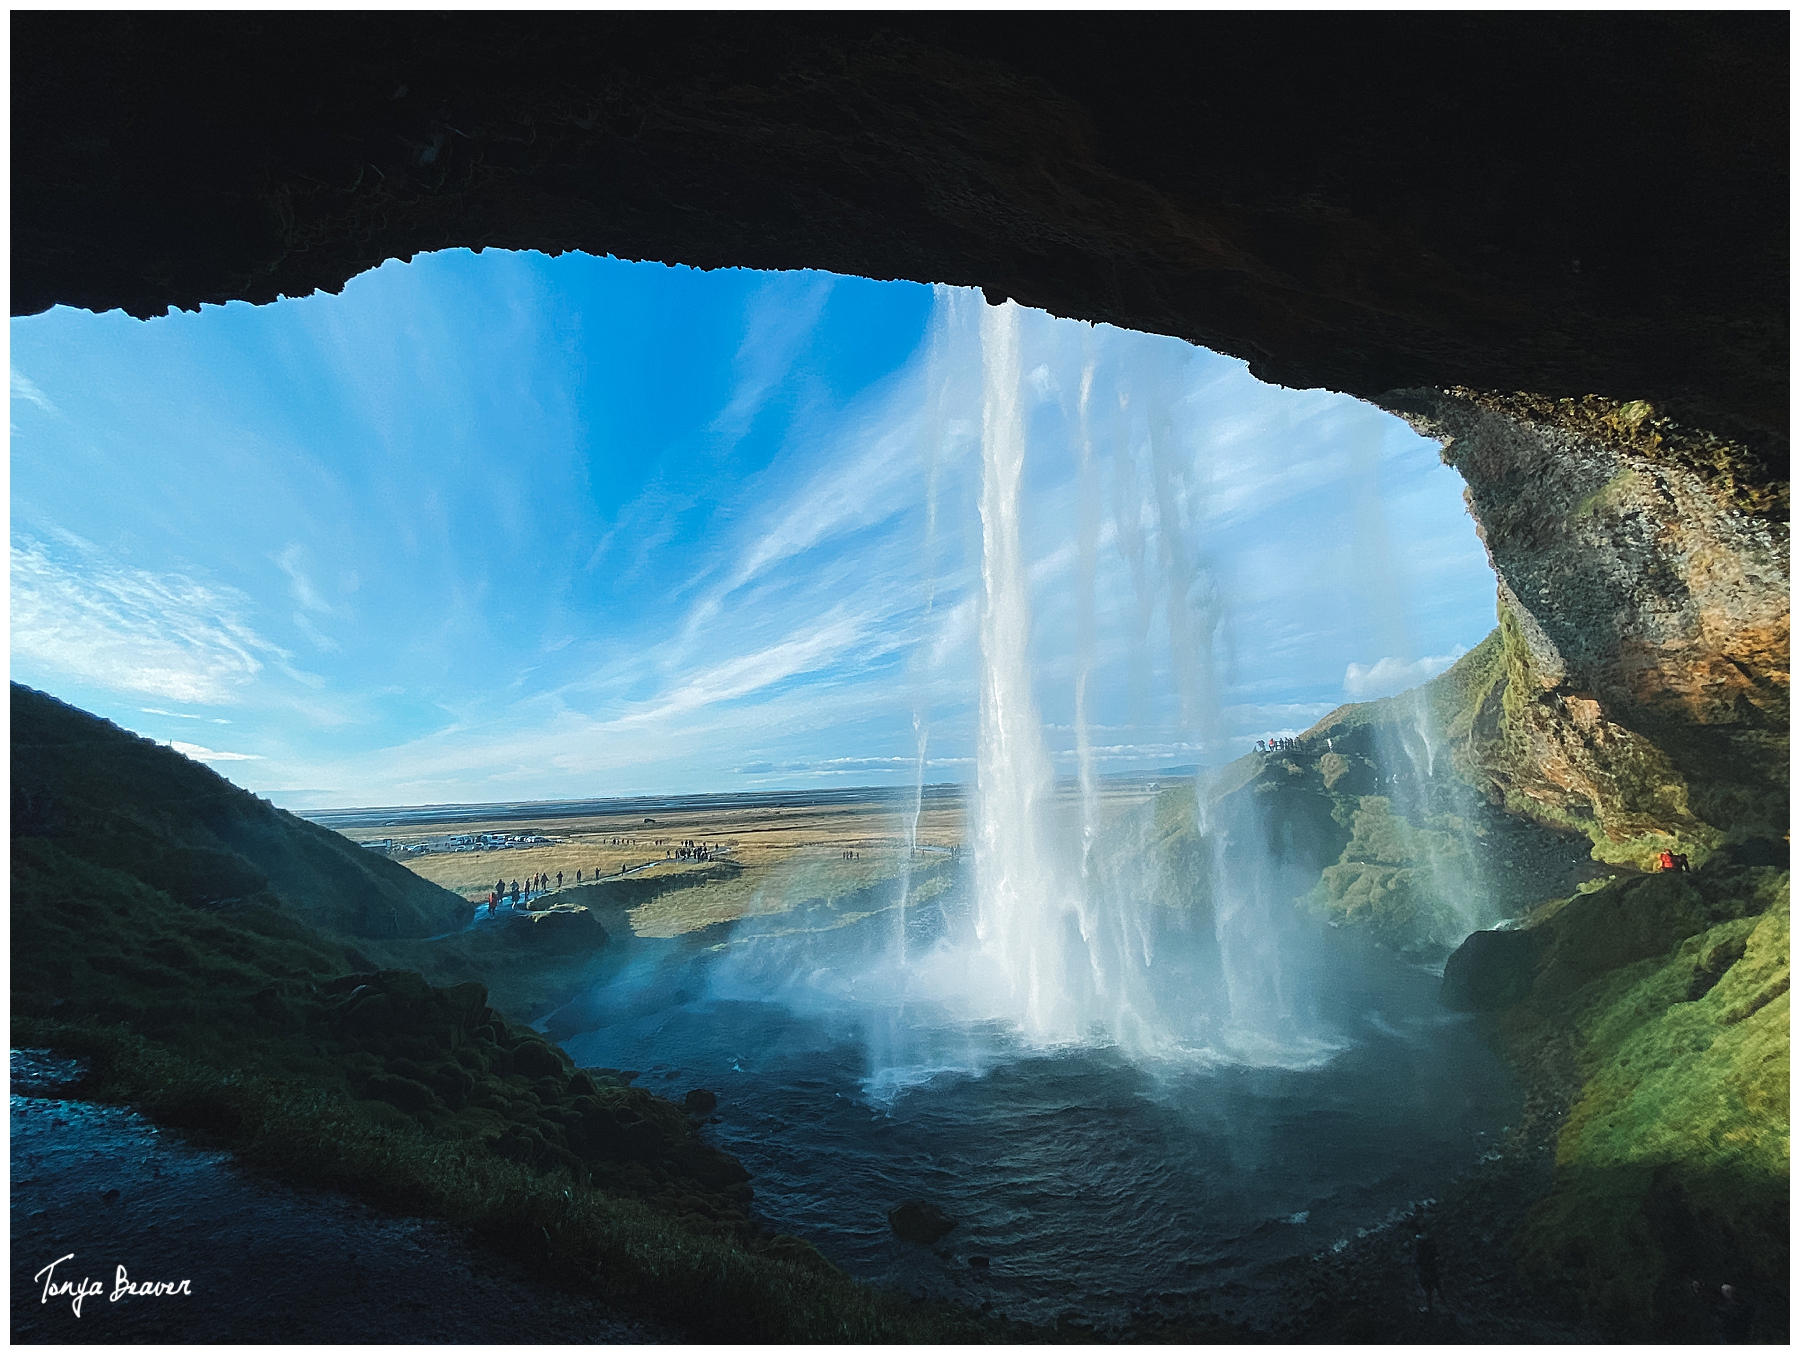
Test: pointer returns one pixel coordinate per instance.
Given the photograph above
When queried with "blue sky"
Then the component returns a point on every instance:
(509, 527)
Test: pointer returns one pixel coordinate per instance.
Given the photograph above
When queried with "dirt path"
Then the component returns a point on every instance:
(264, 1263)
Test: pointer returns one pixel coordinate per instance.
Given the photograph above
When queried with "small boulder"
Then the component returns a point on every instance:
(796, 1251)
(700, 1103)
(535, 1059)
(1491, 971)
(919, 1221)
(567, 926)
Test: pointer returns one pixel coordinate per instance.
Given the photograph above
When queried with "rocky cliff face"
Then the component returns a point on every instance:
(1644, 617)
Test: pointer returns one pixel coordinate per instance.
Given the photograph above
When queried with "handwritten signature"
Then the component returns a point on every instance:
(78, 1291)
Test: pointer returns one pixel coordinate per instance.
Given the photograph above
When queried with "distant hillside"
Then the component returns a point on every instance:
(1372, 820)
(129, 804)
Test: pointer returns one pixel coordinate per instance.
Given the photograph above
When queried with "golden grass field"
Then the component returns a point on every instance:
(775, 857)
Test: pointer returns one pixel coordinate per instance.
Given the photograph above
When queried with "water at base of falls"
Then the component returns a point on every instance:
(1110, 1045)
(1089, 1178)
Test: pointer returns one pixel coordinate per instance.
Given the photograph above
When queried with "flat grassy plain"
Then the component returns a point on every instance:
(774, 857)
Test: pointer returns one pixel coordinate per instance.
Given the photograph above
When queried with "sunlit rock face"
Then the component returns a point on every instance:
(1644, 608)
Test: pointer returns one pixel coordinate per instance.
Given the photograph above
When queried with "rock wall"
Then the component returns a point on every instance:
(1519, 202)
(1643, 604)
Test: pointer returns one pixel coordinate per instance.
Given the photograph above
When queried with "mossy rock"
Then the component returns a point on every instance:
(403, 1093)
(1673, 1162)
(535, 1059)
(919, 1221)
(1491, 971)
(797, 1252)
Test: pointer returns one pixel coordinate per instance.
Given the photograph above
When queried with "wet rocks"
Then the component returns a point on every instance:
(919, 1221)
(39, 1072)
(1491, 971)
(700, 1103)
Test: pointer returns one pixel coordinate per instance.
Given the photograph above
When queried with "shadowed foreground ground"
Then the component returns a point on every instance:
(265, 1263)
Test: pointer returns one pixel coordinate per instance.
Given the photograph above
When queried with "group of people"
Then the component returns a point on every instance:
(540, 883)
(851, 856)
(1276, 745)
(534, 884)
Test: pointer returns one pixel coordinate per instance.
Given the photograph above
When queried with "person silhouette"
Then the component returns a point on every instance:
(1425, 1257)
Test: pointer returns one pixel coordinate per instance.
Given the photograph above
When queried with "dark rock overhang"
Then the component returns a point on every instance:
(1550, 203)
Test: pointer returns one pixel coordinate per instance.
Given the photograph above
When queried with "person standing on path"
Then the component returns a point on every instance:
(1425, 1257)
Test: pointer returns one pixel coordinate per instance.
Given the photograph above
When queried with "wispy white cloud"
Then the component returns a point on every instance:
(1387, 676)
(200, 754)
(778, 321)
(182, 715)
(746, 674)
(1114, 752)
(300, 585)
(849, 766)
(304, 625)
(24, 388)
(129, 630)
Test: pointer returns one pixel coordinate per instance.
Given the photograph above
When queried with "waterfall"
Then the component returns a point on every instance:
(1073, 936)
(1019, 900)
(1086, 566)
(947, 307)
(1071, 956)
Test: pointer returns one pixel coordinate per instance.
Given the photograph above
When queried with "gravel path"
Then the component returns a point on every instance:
(264, 1263)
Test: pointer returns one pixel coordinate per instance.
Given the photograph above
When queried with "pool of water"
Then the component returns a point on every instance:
(1090, 1180)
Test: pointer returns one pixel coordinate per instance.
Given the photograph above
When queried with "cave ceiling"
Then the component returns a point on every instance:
(1555, 204)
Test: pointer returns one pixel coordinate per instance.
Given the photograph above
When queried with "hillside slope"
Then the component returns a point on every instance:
(126, 803)
(1369, 820)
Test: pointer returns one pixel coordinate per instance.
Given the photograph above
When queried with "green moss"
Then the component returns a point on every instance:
(1645, 806)
(1397, 880)
(1673, 1163)
(772, 1289)
(1605, 496)
(1459, 692)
